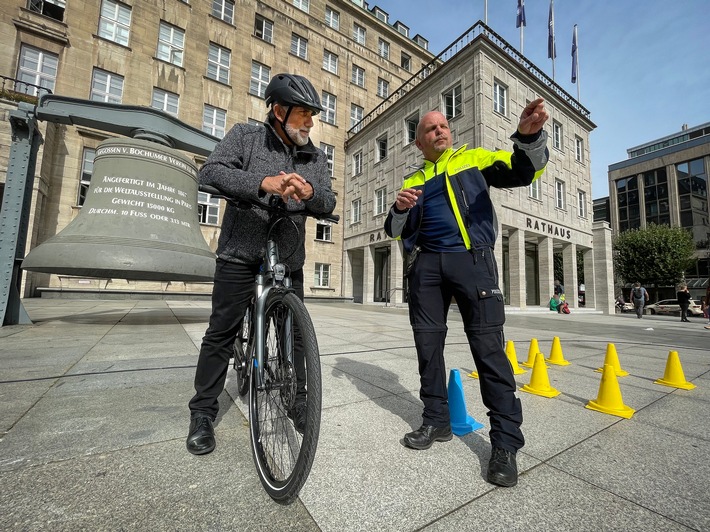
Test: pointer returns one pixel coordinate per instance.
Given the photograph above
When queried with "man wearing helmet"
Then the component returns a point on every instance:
(256, 162)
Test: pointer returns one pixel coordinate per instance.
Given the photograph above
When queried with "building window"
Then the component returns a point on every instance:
(165, 101)
(49, 8)
(322, 275)
(421, 41)
(693, 198)
(557, 135)
(214, 121)
(223, 9)
(260, 75)
(628, 197)
(500, 96)
(332, 18)
(207, 208)
(357, 163)
(171, 44)
(559, 194)
(452, 102)
(330, 62)
(301, 4)
(87, 169)
(299, 46)
(358, 76)
(581, 204)
(411, 124)
(578, 149)
(36, 67)
(358, 33)
(355, 211)
(655, 191)
(406, 62)
(380, 196)
(381, 148)
(324, 232)
(356, 114)
(404, 30)
(330, 155)
(218, 60)
(115, 22)
(263, 29)
(534, 189)
(106, 87)
(381, 15)
(328, 102)
(383, 48)
(383, 88)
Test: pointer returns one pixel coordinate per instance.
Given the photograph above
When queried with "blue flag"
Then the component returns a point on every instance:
(520, 20)
(574, 55)
(551, 48)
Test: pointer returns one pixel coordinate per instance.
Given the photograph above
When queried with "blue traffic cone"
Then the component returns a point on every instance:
(461, 422)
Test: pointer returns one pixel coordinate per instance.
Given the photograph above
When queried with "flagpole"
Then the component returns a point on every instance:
(577, 41)
(520, 22)
(522, 48)
(552, 51)
(485, 12)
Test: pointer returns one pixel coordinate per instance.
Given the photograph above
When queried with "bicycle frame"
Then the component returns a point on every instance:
(273, 277)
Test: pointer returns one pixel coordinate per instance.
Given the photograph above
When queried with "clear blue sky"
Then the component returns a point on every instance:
(644, 64)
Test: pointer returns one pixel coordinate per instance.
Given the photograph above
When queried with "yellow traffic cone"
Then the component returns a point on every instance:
(534, 350)
(539, 381)
(556, 356)
(613, 360)
(674, 375)
(513, 358)
(609, 399)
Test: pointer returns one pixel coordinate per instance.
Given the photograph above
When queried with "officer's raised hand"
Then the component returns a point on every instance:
(533, 117)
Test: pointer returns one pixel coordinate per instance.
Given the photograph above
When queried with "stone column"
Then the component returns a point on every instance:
(589, 280)
(569, 259)
(396, 272)
(546, 267)
(346, 281)
(603, 268)
(368, 275)
(516, 242)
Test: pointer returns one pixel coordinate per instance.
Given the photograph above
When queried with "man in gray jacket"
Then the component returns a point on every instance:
(255, 163)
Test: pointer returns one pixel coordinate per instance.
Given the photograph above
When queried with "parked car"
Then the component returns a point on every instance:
(625, 307)
(670, 306)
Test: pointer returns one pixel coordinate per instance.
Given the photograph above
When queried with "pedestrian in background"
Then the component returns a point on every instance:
(639, 296)
(683, 297)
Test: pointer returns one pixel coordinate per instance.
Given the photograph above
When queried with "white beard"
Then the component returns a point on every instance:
(296, 136)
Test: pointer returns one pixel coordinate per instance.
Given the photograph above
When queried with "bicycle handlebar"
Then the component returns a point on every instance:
(276, 205)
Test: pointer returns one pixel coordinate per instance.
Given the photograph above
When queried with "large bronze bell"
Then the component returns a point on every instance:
(139, 220)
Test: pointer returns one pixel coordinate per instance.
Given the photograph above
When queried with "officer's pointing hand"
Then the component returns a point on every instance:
(533, 117)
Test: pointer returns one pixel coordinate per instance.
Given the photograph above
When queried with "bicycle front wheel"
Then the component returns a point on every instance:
(291, 374)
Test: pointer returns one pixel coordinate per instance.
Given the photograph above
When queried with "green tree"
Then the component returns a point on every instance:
(656, 255)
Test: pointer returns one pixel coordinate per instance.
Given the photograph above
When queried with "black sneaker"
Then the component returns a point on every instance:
(502, 468)
(425, 436)
(298, 415)
(200, 439)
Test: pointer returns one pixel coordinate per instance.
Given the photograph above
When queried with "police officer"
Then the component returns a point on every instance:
(445, 218)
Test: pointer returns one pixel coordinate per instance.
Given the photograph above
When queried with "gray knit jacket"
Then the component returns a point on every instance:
(237, 166)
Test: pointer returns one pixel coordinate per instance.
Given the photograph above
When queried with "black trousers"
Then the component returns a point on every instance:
(232, 291)
(684, 311)
(470, 278)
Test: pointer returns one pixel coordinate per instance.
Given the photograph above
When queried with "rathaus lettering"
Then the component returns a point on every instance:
(550, 229)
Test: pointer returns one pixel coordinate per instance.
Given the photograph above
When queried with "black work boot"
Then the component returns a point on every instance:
(425, 436)
(298, 415)
(200, 439)
(502, 468)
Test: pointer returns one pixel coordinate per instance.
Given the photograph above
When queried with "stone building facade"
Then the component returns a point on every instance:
(482, 86)
(206, 63)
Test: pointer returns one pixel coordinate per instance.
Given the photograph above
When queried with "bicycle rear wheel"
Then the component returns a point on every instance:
(282, 455)
(242, 344)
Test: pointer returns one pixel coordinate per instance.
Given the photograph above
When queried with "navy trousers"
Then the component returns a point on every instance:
(232, 291)
(471, 279)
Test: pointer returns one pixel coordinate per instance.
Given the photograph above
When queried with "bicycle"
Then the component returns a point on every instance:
(275, 323)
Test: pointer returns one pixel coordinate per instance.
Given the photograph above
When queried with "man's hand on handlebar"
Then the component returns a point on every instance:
(288, 186)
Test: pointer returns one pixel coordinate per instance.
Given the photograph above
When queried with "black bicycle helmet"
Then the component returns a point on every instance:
(292, 90)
